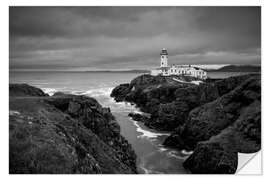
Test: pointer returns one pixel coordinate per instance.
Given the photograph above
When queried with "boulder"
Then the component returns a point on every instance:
(120, 92)
(212, 158)
(25, 90)
(138, 117)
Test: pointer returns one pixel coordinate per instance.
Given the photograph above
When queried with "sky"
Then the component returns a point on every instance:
(104, 38)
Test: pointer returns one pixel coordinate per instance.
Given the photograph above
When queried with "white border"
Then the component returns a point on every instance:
(4, 73)
(138, 2)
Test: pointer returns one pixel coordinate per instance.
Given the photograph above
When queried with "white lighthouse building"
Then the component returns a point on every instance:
(163, 58)
(186, 70)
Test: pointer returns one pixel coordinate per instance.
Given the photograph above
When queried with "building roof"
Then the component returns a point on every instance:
(165, 68)
(164, 52)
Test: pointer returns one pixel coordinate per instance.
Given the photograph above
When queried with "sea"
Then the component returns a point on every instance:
(152, 156)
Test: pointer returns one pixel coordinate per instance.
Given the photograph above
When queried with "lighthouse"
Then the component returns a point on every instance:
(183, 70)
(164, 58)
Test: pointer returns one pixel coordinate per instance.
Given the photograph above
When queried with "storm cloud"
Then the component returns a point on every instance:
(131, 37)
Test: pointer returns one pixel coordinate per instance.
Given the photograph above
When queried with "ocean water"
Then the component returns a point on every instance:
(152, 157)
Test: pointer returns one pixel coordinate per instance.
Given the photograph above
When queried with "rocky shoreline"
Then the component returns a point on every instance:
(64, 133)
(216, 119)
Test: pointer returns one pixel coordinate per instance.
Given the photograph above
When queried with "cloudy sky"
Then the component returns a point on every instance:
(98, 38)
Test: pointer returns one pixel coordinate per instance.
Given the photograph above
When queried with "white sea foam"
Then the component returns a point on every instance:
(123, 107)
(146, 133)
(136, 111)
(186, 152)
(99, 92)
(162, 149)
(174, 155)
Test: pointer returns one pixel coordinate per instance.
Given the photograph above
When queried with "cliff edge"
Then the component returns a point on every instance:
(64, 134)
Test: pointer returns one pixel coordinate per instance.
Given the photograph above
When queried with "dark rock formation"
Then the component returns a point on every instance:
(120, 92)
(138, 117)
(228, 125)
(169, 102)
(212, 158)
(25, 90)
(211, 118)
(154, 95)
(217, 119)
(65, 134)
(219, 153)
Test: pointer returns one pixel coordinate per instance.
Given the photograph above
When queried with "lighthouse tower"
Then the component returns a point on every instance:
(164, 58)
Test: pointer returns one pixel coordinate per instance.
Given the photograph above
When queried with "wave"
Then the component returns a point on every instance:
(98, 92)
(147, 133)
(162, 149)
(174, 155)
(186, 152)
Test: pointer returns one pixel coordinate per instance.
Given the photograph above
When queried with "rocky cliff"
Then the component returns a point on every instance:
(169, 102)
(64, 134)
(216, 119)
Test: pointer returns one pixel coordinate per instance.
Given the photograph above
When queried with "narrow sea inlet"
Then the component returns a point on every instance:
(152, 157)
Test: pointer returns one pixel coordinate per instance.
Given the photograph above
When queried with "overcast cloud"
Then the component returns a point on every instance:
(132, 37)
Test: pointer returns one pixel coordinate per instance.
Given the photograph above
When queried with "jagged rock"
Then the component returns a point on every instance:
(210, 119)
(25, 90)
(150, 94)
(120, 92)
(59, 94)
(138, 117)
(212, 158)
(216, 119)
(170, 102)
(66, 134)
(233, 122)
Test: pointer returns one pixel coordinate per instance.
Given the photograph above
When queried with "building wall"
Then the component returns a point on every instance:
(163, 61)
(189, 71)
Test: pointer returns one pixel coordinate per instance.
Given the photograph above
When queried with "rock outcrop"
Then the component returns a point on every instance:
(219, 153)
(169, 102)
(217, 119)
(218, 130)
(152, 94)
(211, 118)
(64, 134)
(25, 90)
